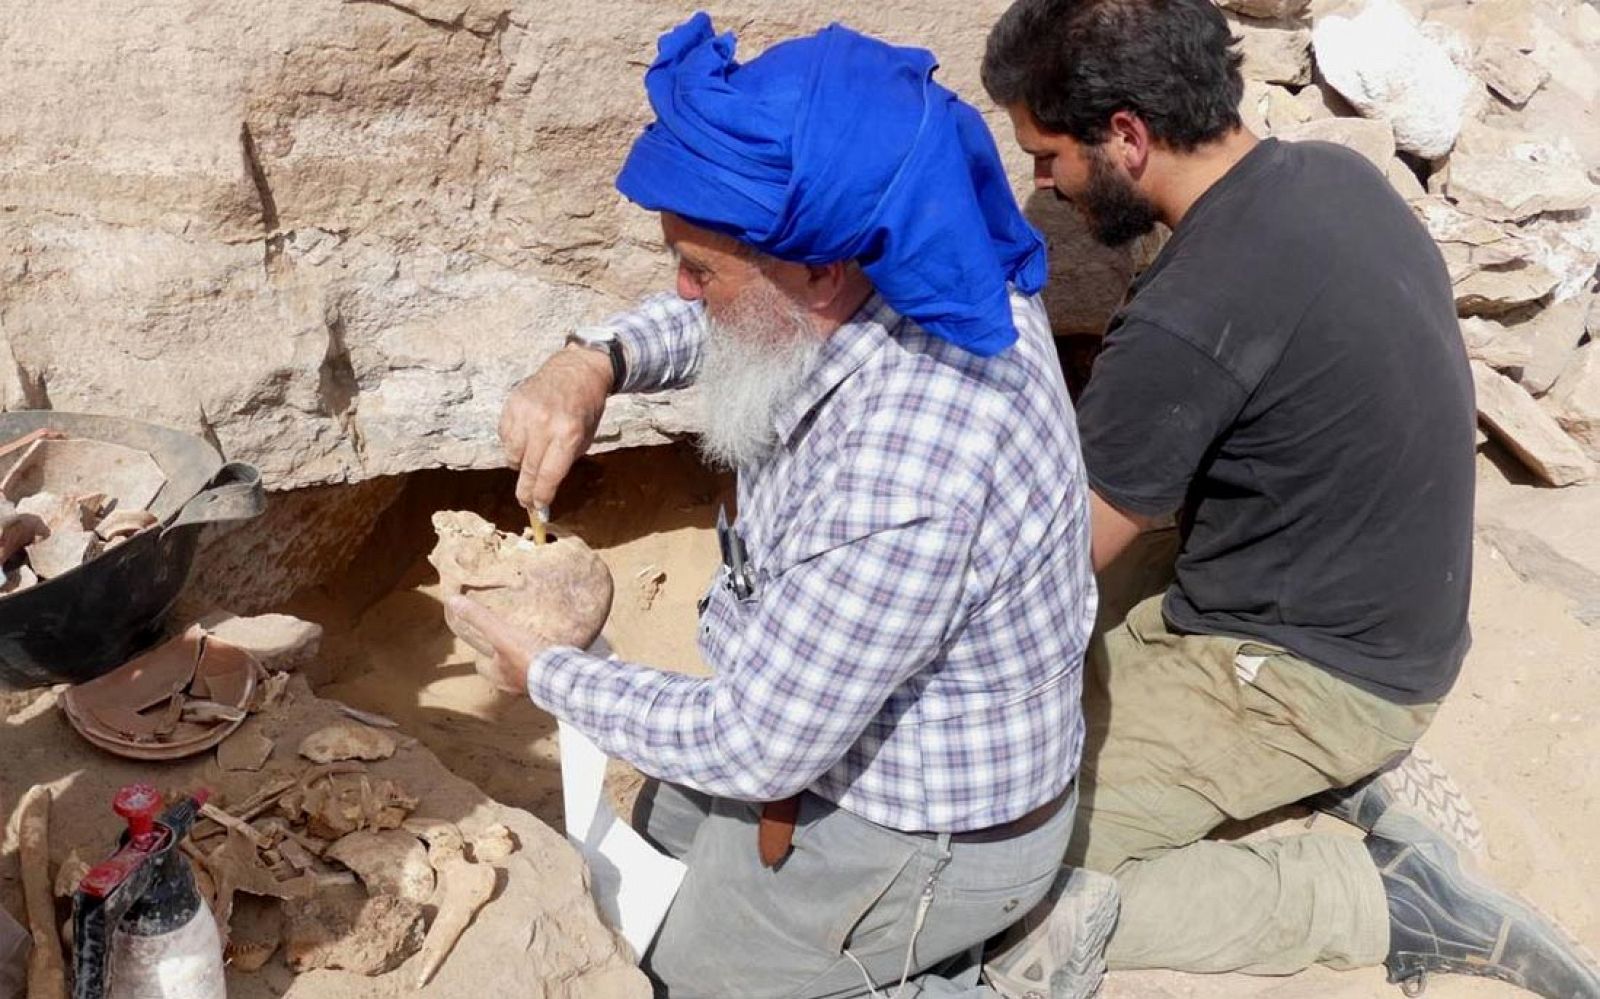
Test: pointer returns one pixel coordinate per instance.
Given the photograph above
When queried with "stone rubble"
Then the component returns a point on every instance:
(1483, 117)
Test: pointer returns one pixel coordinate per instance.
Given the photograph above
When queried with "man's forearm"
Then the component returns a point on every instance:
(661, 342)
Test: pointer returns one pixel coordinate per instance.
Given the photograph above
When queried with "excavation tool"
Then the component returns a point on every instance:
(539, 524)
(141, 929)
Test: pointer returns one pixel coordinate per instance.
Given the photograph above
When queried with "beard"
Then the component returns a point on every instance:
(753, 360)
(1117, 213)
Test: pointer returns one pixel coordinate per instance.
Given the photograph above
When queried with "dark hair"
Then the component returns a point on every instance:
(1075, 63)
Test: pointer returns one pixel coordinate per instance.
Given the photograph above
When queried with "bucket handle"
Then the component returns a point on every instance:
(234, 493)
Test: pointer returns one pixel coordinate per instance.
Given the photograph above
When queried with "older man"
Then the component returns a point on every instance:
(879, 774)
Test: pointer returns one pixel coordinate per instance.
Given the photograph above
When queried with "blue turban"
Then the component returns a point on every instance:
(838, 147)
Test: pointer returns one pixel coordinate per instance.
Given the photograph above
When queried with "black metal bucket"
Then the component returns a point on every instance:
(97, 616)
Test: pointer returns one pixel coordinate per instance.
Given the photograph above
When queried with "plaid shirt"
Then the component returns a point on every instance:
(920, 547)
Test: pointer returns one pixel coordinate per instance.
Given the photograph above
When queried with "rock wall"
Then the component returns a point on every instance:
(330, 235)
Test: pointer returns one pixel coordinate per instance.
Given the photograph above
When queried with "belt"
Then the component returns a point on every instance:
(775, 831)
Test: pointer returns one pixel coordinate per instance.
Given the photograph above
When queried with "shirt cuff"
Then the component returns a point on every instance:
(554, 674)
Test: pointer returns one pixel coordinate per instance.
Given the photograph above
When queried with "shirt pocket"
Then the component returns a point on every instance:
(723, 618)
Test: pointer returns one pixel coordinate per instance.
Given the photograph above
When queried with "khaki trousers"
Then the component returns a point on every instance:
(1186, 732)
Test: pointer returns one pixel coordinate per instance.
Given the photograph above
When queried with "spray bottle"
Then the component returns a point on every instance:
(140, 928)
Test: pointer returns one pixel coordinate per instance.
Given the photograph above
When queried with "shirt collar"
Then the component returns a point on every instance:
(843, 352)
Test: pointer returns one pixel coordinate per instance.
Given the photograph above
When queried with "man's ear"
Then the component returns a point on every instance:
(1129, 142)
(824, 283)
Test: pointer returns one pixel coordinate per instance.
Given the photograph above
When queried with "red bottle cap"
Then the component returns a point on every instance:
(138, 804)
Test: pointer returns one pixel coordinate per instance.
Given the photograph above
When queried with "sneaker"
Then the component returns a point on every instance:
(1058, 950)
(1444, 919)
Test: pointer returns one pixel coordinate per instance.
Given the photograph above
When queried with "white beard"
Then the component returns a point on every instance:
(753, 360)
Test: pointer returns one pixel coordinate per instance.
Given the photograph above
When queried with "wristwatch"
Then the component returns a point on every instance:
(603, 339)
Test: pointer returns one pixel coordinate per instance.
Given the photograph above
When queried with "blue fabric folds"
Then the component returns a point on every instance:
(834, 147)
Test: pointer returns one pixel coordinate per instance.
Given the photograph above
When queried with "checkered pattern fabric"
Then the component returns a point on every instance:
(920, 545)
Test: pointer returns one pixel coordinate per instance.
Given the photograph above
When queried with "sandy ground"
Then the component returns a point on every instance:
(539, 928)
(1518, 734)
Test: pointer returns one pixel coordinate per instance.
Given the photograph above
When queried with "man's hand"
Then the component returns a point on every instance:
(513, 648)
(550, 418)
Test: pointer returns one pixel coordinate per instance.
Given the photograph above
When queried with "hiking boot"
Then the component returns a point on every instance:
(1058, 950)
(1361, 804)
(1443, 919)
(1413, 785)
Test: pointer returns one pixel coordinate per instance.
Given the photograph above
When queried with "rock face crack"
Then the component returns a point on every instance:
(443, 25)
(35, 388)
(337, 387)
(269, 205)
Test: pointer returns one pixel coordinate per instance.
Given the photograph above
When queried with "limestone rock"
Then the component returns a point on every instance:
(388, 862)
(1266, 9)
(1494, 344)
(1583, 25)
(1479, 23)
(1509, 190)
(1552, 336)
(1531, 433)
(277, 641)
(1569, 66)
(1254, 105)
(1403, 180)
(1509, 73)
(347, 740)
(1570, 249)
(1371, 138)
(1275, 51)
(336, 245)
(1490, 292)
(1383, 64)
(1448, 224)
(1536, 560)
(1575, 399)
(346, 930)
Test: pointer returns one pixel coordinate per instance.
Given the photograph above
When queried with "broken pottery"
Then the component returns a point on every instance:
(256, 932)
(559, 592)
(120, 525)
(235, 867)
(18, 530)
(244, 751)
(18, 579)
(62, 552)
(347, 741)
(181, 698)
(129, 477)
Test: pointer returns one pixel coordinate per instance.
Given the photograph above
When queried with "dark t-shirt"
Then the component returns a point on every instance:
(1289, 376)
